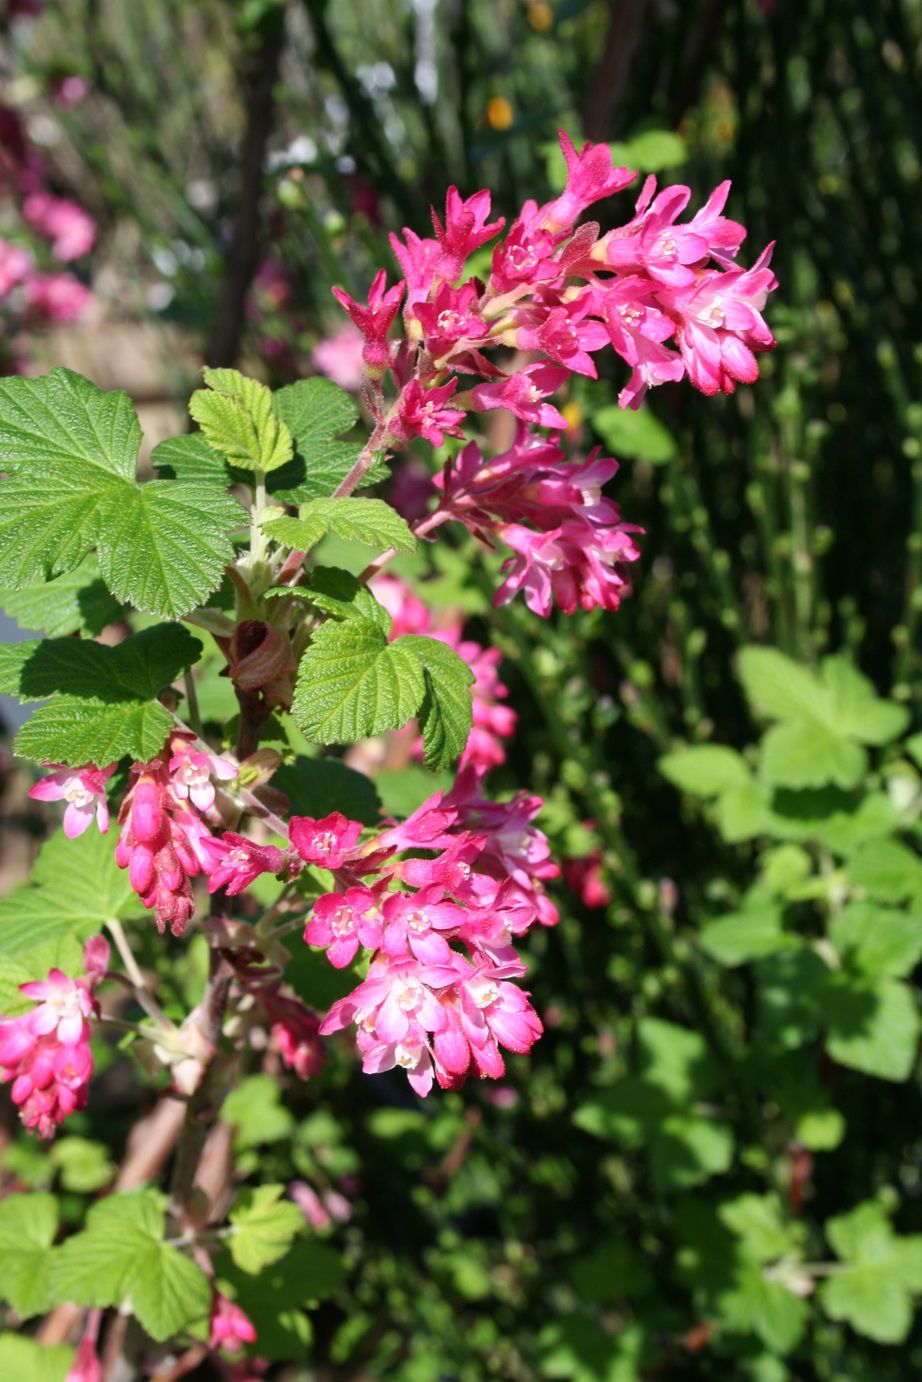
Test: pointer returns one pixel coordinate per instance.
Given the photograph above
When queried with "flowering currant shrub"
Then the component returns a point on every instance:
(241, 830)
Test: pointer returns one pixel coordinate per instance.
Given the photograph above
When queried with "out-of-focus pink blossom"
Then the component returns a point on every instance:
(70, 91)
(55, 297)
(46, 1051)
(295, 1031)
(71, 231)
(84, 790)
(231, 1329)
(340, 358)
(15, 266)
(86, 1366)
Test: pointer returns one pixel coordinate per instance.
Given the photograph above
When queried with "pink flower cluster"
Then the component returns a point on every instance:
(31, 293)
(460, 869)
(562, 291)
(569, 543)
(163, 840)
(231, 1328)
(493, 721)
(46, 1051)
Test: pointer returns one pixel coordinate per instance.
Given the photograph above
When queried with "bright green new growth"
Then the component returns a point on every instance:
(70, 451)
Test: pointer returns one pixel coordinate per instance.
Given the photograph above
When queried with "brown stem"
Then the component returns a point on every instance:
(364, 462)
(625, 26)
(208, 1097)
(258, 79)
(426, 525)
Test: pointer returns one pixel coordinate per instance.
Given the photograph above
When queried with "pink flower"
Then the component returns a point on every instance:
(424, 412)
(722, 325)
(231, 1329)
(328, 842)
(56, 297)
(295, 1031)
(523, 394)
(590, 177)
(68, 227)
(191, 773)
(15, 266)
(374, 320)
(566, 334)
(340, 358)
(232, 862)
(46, 1051)
(466, 228)
(86, 1366)
(321, 1210)
(450, 319)
(341, 922)
(84, 790)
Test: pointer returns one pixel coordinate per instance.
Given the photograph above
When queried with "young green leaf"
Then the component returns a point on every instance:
(265, 1227)
(353, 683)
(28, 1224)
(317, 412)
(445, 716)
(120, 1258)
(705, 770)
(370, 521)
(879, 1275)
(70, 450)
(237, 419)
(76, 887)
(163, 546)
(872, 1026)
(26, 1360)
(880, 942)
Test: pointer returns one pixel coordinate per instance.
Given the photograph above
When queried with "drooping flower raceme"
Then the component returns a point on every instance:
(163, 837)
(570, 545)
(45, 1052)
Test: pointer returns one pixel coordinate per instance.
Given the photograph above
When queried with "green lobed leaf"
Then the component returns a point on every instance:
(76, 887)
(102, 703)
(265, 1227)
(880, 1274)
(370, 521)
(780, 688)
(446, 714)
(887, 870)
(63, 423)
(317, 412)
(872, 1027)
(353, 683)
(803, 754)
(120, 1258)
(28, 1224)
(705, 770)
(77, 602)
(71, 451)
(635, 433)
(237, 419)
(339, 593)
(317, 786)
(27, 1361)
(856, 709)
(748, 934)
(163, 546)
(879, 942)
